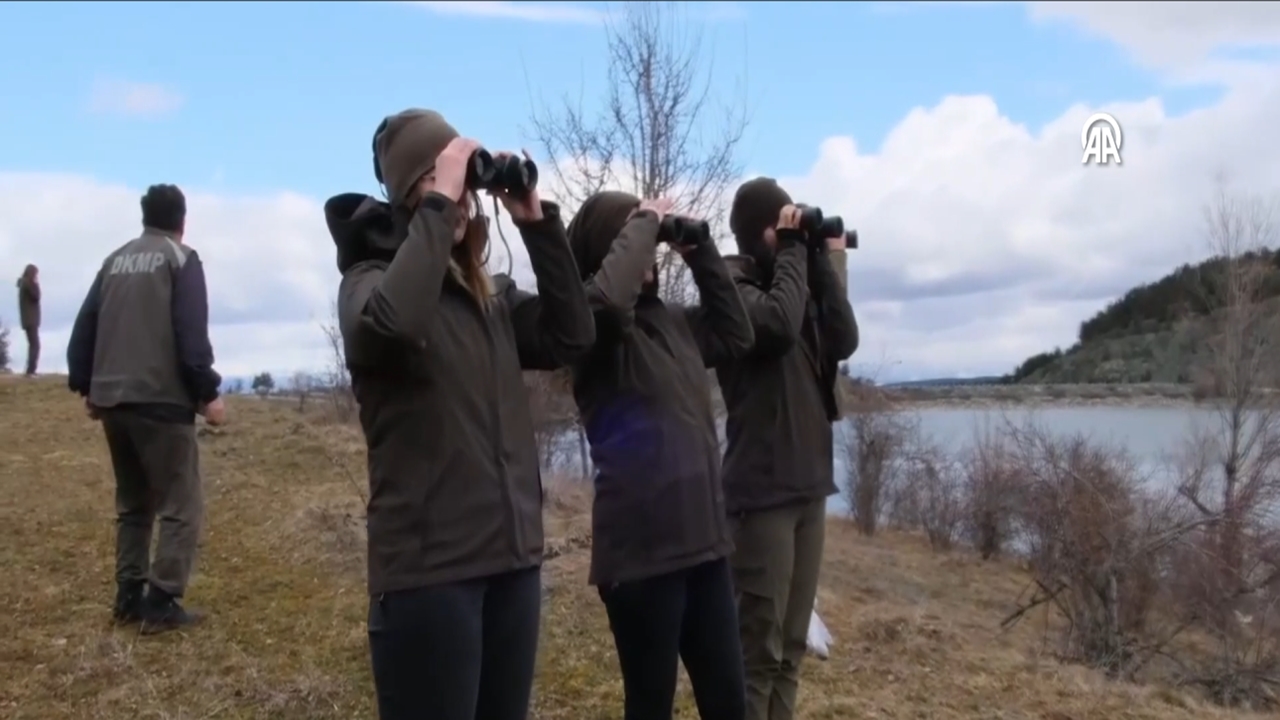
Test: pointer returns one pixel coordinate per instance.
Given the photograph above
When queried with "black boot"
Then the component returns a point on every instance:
(128, 607)
(162, 611)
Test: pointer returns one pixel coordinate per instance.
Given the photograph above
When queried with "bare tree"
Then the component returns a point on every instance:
(658, 133)
(1230, 474)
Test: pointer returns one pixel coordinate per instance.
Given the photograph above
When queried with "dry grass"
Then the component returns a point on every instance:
(281, 574)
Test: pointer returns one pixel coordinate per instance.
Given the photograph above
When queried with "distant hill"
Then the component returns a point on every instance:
(1154, 333)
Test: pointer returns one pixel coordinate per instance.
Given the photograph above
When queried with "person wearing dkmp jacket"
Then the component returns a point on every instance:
(435, 347)
(781, 402)
(660, 536)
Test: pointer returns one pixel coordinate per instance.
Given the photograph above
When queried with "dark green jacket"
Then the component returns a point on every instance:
(29, 304)
(780, 397)
(644, 396)
(455, 489)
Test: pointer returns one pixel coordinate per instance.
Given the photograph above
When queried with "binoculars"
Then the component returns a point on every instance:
(683, 232)
(517, 176)
(819, 228)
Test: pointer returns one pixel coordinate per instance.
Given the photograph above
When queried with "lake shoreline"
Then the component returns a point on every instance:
(981, 397)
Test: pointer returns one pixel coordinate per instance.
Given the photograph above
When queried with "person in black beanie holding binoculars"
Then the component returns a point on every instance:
(660, 536)
(435, 347)
(781, 403)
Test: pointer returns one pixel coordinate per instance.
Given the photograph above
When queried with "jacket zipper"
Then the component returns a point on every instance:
(498, 450)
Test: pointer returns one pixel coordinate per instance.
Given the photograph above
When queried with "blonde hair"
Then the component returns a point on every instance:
(469, 258)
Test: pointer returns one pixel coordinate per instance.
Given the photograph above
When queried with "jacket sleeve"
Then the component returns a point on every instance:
(777, 314)
(613, 290)
(190, 310)
(720, 324)
(839, 326)
(84, 336)
(553, 328)
(399, 300)
(32, 290)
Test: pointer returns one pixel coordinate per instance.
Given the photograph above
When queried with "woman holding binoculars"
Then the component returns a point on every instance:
(660, 536)
(436, 347)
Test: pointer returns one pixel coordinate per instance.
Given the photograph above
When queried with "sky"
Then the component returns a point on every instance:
(948, 134)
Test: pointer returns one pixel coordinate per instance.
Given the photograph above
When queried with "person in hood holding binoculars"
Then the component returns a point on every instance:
(435, 347)
(660, 536)
(781, 403)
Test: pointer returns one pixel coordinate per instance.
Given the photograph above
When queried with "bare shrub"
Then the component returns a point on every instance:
(335, 382)
(877, 438)
(4, 347)
(992, 493)
(934, 483)
(301, 385)
(1097, 539)
(555, 419)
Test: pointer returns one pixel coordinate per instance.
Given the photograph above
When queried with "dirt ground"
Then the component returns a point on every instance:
(281, 575)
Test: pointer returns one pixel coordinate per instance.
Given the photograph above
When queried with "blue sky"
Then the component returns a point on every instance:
(285, 95)
(947, 133)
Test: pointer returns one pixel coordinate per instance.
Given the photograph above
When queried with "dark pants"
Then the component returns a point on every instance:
(462, 651)
(33, 349)
(157, 469)
(685, 615)
(776, 563)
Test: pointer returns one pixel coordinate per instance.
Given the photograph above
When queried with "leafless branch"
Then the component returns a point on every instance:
(657, 131)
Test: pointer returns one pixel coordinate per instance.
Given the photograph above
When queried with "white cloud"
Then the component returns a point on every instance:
(549, 12)
(1177, 36)
(133, 99)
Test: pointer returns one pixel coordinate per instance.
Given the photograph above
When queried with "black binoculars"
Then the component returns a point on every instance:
(683, 232)
(819, 228)
(517, 176)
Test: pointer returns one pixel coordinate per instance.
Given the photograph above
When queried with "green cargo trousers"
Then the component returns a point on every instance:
(157, 469)
(776, 562)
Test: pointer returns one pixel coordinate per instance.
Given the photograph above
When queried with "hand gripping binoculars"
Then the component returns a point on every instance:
(515, 175)
(683, 232)
(819, 228)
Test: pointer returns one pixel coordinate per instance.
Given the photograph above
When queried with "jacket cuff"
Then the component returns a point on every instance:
(441, 204)
(550, 218)
(790, 237)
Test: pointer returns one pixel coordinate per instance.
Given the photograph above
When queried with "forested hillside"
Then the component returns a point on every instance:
(1152, 333)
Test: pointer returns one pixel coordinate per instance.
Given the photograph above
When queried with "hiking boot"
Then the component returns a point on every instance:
(162, 612)
(129, 602)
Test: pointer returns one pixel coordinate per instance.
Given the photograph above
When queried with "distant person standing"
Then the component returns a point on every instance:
(29, 314)
(140, 356)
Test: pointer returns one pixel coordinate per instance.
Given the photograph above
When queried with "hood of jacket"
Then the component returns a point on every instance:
(755, 209)
(363, 228)
(595, 227)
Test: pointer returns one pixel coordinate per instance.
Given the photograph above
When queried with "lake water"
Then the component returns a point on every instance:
(1149, 434)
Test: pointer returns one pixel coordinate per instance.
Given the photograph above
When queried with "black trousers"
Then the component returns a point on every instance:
(33, 349)
(462, 651)
(686, 615)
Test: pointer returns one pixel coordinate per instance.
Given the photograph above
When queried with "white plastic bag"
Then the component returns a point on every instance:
(819, 637)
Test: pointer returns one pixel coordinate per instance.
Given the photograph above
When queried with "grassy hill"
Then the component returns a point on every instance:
(281, 575)
(1154, 333)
